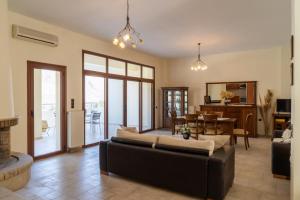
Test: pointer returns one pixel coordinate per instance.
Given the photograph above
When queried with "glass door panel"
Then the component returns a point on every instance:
(133, 109)
(47, 112)
(115, 105)
(147, 106)
(94, 109)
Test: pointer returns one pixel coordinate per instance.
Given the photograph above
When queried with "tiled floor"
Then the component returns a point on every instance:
(76, 176)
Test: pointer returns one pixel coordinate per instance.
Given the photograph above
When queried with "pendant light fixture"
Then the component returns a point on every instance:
(199, 64)
(128, 35)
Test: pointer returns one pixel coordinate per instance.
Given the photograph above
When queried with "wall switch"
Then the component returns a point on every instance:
(72, 103)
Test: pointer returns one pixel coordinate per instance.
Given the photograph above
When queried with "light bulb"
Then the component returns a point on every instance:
(192, 68)
(116, 41)
(126, 37)
(199, 67)
(204, 67)
(122, 45)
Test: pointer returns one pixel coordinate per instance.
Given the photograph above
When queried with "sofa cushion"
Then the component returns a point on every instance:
(139, 137)
(193, 144)
(220, 140)
(132, 142)
(129, 129)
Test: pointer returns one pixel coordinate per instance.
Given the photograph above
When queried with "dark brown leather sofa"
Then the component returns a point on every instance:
(281, 153)
(184, 170)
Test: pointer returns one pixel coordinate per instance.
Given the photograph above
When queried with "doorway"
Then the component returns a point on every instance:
(46, 109)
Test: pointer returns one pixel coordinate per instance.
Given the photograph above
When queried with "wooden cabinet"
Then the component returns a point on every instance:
(239, 112)
(174, 98)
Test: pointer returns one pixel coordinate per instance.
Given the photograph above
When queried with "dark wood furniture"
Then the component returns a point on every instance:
(245, 131)
(227, 124)
(239, 112)
(174, 99)
(280, 120)
(244, 91)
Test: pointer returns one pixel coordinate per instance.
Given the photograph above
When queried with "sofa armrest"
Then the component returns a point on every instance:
(221, 169)
(281, 153)
(103, 156)
(277, 133)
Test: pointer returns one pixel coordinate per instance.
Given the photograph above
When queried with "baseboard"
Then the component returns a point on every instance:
(74, 149)
(281, 177)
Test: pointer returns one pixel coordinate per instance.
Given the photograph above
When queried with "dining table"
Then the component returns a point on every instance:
(227, 125)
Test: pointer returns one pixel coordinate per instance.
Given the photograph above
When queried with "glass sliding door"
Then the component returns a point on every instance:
(133, 105)
(94, 109)
(115, 105)
(147, 106)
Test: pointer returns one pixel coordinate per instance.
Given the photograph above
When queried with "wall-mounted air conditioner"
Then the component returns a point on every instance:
(31, 35)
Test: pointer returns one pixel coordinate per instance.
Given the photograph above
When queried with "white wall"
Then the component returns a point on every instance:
(6, 102)
(265, 66)
(295, 157)
(68, 53)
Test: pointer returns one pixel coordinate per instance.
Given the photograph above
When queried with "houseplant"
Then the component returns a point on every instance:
(186, 132)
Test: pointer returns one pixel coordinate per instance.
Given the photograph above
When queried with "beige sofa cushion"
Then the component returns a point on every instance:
(129, 129)
(197, 144)
(139, 137)
(220, 140)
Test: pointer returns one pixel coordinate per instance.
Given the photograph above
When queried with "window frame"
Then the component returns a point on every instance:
(126, 78)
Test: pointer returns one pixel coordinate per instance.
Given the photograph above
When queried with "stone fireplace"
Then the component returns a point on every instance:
(14, 167)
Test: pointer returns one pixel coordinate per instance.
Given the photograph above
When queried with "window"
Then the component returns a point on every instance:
(133, 70)
(148, 72)
(116, 67)
(147, 106)
(94, 63)
(114, 97)
(133, 108)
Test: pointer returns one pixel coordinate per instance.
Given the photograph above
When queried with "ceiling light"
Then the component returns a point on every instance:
(128, 34)
(199, 64)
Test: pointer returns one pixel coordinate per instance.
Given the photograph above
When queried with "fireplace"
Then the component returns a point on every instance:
(14, 167)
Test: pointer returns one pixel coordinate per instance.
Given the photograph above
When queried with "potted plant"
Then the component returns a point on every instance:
(226, 96)
(186, 132)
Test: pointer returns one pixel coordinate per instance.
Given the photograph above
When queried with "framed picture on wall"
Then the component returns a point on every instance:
(292, 73)
(292, 47)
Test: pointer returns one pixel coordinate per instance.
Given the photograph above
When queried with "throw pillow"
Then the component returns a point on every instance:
(220, 140)
(197, 144)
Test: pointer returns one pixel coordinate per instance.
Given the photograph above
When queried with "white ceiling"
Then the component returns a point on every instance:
(172, 28)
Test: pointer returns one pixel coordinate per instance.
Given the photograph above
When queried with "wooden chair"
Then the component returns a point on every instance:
(192, 122)
(219, 113)
(200, 113)
(245, 131)
(211, 125)
(175, 123)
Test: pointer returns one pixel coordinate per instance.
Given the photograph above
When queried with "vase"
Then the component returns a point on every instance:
(186, 135)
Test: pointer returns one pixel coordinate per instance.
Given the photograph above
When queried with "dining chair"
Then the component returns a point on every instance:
(95, 120)
(245, 131)
(175, 124)
(218, 113)
(200, 113)
(211, 125)
(192, 121)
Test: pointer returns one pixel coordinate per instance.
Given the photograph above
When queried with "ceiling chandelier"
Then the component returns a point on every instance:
(128, 35)
(199, 64)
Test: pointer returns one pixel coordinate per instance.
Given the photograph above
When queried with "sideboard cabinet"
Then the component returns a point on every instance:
(174, 99)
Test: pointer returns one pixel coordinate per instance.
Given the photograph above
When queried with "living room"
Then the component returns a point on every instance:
(99, 85)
